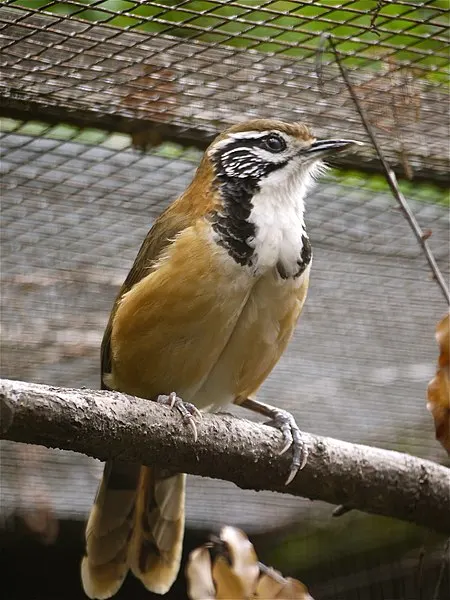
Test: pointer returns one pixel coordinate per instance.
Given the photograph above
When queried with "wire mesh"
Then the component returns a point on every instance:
(76, 205)
(77, 202)
(74, 215)
(188, 68)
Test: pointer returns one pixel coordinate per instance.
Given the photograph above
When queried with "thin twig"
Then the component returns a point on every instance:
(392, 180)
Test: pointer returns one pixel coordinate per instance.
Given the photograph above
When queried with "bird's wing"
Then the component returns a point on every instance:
(170, 326)
(165, 228)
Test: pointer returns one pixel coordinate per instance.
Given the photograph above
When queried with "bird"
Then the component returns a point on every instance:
(200, 321)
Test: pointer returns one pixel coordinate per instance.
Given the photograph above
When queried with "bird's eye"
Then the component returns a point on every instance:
(274, 143)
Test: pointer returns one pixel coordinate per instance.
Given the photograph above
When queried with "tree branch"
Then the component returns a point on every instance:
(110, 425)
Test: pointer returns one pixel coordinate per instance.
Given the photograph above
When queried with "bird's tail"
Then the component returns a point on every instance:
(137, 523)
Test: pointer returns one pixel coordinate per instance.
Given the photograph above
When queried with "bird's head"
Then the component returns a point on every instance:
(252, 181)
(264, 153)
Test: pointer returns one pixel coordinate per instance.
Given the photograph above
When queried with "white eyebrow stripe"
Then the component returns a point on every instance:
(244, 135)
(237, 136)
(248, 134)
(237, 149)
(257, 134)
(250, 152)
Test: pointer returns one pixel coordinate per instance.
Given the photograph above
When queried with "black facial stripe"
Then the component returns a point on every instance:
(236, 160)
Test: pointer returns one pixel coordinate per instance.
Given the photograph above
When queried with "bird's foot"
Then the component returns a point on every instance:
(285, 422)
(292, 438)
(187, 410)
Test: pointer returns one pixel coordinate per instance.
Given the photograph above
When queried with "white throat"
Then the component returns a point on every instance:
(278, 216)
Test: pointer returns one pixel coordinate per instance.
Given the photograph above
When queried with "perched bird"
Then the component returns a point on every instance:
(204, 315)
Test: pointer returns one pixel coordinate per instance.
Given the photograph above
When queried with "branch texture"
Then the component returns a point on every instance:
(109, 425)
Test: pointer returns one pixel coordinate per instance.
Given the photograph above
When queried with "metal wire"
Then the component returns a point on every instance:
(87, 85)
(189, 68)
(421, 236)
(76, 205)
(74, 214)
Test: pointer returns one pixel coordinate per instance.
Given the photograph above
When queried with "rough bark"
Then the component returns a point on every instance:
(109, 425)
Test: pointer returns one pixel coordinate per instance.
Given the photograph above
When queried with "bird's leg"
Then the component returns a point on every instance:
(285, 422)
(187, 410)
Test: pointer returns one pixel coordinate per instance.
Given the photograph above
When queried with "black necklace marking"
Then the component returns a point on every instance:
(232, 223)
(238, 172)
(305, 256)
(302, 262)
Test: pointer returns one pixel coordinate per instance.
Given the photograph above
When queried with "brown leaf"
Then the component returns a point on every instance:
(438, 392)
(272, 585)
(199, 576)
(243, 557)
(235, 574)
(228, 584)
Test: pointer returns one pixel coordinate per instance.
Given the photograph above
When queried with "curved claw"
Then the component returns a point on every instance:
(189, 421)
(187, 410)
(193, 410)
(300, 456)
(288, 439)
(292, 437)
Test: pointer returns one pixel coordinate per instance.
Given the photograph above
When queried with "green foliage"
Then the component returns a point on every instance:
(421, 192)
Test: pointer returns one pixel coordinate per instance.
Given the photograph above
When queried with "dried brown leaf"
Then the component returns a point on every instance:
(272, 585)
(152, 94)
(228, 584)
(243, 557)
(439, 387)
(199, 575)
(235, 574)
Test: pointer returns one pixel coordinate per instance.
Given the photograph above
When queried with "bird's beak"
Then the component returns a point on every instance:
(322, 148)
